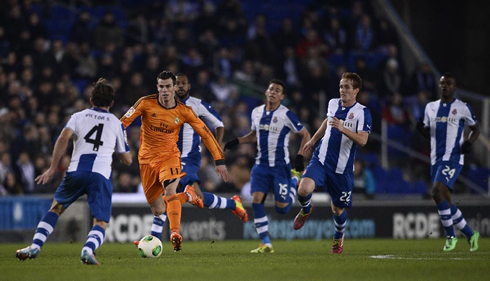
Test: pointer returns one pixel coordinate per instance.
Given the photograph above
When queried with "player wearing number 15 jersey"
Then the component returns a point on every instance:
(444, 122)
(97, 133)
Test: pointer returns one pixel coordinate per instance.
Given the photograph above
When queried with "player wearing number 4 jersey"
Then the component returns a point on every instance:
(347, 125)
(444, 122)
(97, 133)
(162, 117)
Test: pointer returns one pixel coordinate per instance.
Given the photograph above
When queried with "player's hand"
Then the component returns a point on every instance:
(45, 177)
(420, 126)
(308, 148)
(222, 171)
(336, 123)
(466, 147)
(299, 165)
(231, 144)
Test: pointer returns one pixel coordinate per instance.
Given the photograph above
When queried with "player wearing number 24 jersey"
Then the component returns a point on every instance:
(444, 122)
(97, 133)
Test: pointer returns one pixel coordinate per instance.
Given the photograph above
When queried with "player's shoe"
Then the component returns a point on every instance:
(89, 259)
(301, 218)
(262, 249)
(26, 253)
(473, 241)
(239, 210)
(176, 240)
(196, 201)
(450, 244)
(338, 245)
(296, 174)
(136, 243)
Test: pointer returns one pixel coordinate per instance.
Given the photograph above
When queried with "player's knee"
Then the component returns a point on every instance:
(283, 210)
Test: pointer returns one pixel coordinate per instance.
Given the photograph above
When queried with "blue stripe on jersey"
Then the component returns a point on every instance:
(126, 146)
(471, 112)
(211, 110)
(264, 137)
(441, 131)
(456, 153)
(368, 120)
(280, 155)
(86, 162)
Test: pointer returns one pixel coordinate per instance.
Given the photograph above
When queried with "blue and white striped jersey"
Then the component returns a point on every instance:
(446, 122)
(272, 130)
(189, 141)
(336, 151)
(97, 133)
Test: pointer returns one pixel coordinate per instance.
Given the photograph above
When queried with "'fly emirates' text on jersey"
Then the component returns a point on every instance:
(160, 129)
(97, 134)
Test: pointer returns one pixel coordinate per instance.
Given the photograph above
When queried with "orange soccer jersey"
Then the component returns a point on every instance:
(160, 129)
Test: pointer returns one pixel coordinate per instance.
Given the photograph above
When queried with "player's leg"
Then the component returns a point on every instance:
(99, 199)
(153, 189)
(340, 188)
(44, 229)
(460, 223)
(444, 175)
(67, 192)
(284, 189)
(260, 182)
(313, 176)
(174, 212)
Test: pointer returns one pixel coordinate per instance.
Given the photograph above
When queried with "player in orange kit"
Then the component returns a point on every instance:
(162, 116)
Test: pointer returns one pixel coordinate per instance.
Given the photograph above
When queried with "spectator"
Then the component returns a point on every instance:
(364, 182)
(107, 32)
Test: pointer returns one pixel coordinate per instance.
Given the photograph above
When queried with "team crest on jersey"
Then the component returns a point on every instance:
(130, 112)
(454, 112)
(351, 115)
(177, 120)
(275, 119)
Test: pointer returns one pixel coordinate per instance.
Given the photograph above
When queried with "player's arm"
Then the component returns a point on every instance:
(424, 129)
(473, 135)
(126, 158)
(212, 117)
(251, 137)
(122, 146)
(299, 164)
(133, 112)
(360, 138)
(220, 132)
(308, 147)
(58, 152)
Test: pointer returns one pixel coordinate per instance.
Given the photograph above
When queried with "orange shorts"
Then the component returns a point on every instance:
(155, 174)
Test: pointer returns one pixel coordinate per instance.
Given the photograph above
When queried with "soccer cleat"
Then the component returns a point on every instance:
(196, 201)
(473, 241)
(27, 253)
(338, 245)
(239, 210)
(301, 218)
(450, 244)
(176, 240)
(296, 174)
(136, 243)
(89, 259)
(262, 249)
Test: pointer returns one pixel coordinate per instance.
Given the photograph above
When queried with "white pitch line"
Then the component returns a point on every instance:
(393, 257)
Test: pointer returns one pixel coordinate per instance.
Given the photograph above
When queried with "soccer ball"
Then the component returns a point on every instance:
(150, 247)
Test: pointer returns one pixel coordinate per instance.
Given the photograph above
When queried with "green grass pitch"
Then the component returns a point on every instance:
(362, 259)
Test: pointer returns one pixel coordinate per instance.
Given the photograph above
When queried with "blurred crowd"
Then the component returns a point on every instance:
(51, 54)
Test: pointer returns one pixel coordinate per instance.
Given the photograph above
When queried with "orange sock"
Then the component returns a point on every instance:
(174, 212)
(183, 198)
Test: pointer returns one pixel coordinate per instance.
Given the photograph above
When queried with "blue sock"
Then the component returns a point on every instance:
(340, 222)
(446, 219)
(261, 223)
(460, 222)
(212, 201)
(157, 226)
(305, 203)
(95, 239)
(44, 229)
